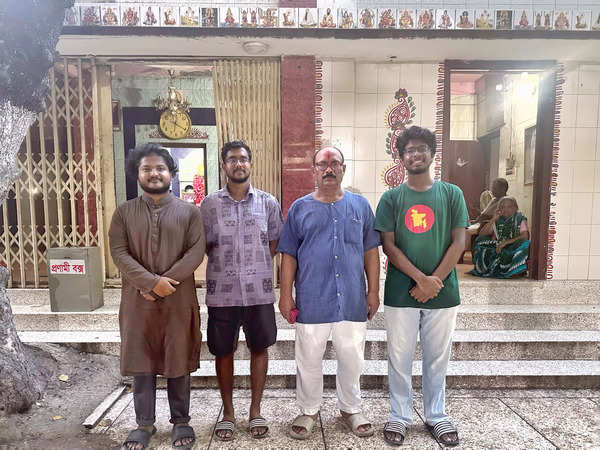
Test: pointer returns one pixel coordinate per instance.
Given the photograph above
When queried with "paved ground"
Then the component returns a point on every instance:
(486, 419)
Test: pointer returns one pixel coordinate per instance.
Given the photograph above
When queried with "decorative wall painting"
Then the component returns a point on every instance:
(346, 18)
(288, 17)
(406, 19)
(542, 20)
(110, 15)
(386, 18)
(425, 19)
(484, 19)
(562, 20)
(72, 16)
(248, 17)
(149, 15)
(229, 17)
(327, 18)
(367, 18)
(523, 19)
(267, 17)
(90, 15)
(464, 19)
(307, 17)
(189, 16)
(504, 19)
(210, 17)
(596, 20)
(169, 16)
(445, 19)
(582, 20)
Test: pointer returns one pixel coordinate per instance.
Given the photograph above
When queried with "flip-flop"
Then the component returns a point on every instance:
(353, 421)
(182, 432)
(259, 422)
(441, 429)
(303, 421)
(139, 436)
(225, 425)
(394, 427)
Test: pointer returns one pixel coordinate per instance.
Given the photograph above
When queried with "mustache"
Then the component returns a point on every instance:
(329, 175)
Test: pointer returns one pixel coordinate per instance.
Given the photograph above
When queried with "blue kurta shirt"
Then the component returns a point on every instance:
(329, 241)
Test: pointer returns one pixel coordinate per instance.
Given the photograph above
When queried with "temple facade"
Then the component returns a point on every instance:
(511, 93)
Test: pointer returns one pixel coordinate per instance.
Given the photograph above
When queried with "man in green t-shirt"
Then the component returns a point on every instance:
(422, 225)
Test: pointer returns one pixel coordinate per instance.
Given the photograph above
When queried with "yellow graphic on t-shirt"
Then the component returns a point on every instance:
(419, 218)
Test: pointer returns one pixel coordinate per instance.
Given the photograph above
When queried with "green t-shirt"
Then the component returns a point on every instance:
(422, 223)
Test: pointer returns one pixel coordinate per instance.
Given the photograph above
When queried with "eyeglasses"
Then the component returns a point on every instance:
(335, 165)
(412, 151)
(234, 161)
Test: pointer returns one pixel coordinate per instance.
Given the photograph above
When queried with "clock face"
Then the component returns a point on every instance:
(175, 125)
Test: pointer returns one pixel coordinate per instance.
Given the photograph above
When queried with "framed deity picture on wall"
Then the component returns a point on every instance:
(529, 155)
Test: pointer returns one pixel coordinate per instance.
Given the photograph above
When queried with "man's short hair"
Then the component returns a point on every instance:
(416, 132)
(324, 148)
(135, 157)
(233, 145)
(502, 182)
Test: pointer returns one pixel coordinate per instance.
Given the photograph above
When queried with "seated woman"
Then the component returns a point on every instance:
(502, 247)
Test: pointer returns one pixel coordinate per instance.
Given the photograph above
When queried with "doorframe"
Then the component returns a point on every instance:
(540, 219)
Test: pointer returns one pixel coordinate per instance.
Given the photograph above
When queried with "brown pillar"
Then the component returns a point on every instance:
(297, 127)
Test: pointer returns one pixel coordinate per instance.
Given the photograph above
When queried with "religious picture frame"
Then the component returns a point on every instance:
(529, 155)
(116, 115)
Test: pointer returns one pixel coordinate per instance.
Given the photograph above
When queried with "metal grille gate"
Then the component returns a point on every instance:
(56, 201)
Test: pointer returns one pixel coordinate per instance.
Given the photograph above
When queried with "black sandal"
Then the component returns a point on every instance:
(139, 436)
(180, 432)
(443, 429)
(394, 427)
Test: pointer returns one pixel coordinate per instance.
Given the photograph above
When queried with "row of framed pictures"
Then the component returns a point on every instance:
(112, 14)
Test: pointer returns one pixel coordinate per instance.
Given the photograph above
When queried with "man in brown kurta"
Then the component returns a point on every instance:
(157, 241)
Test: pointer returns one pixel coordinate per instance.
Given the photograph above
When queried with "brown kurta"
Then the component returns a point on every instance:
(148, 241)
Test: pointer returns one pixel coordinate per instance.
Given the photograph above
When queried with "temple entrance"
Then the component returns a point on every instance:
(494, 128)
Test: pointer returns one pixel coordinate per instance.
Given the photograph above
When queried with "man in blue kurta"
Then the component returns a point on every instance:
(328, 243)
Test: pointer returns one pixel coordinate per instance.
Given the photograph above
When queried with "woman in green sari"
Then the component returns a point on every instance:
(502, 247)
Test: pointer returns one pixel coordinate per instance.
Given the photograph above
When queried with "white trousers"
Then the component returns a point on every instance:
(348, 340)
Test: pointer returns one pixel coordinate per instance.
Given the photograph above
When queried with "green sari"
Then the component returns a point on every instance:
(513, 257)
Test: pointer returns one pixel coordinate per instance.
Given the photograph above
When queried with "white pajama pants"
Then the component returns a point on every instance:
(348, 340)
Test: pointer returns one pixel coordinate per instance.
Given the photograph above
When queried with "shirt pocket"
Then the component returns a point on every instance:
(353, 231)
(259, 229)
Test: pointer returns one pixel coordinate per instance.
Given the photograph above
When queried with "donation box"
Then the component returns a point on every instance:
(75, 279)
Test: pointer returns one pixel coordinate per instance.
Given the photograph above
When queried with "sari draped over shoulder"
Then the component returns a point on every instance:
(511, 260)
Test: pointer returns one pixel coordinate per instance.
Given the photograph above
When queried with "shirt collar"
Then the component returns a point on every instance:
(162, 202)
(225, 193)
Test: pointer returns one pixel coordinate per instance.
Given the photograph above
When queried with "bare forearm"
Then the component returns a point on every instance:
(289, 266)
(452, 255)
(372, 270)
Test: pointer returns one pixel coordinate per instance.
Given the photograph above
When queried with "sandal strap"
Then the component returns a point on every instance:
(395, 427)
(225, 425)
(258, 422)
(442, 428)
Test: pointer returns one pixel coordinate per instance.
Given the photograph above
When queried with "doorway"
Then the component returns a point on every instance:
(499, 123)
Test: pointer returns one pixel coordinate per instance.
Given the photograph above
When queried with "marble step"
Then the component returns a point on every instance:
(470, 317)
(474, 291)
(467, 345)
(547, 374)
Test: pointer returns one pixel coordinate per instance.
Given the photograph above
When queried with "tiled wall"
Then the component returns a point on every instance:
(356, 98)
(577, 202)
(139, 92)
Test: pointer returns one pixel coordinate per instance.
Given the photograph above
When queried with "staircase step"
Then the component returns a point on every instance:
(470, 317)
(467, 345)
(461, 374)
(473, 291)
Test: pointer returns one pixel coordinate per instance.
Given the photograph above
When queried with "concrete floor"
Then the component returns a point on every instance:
(486, 419)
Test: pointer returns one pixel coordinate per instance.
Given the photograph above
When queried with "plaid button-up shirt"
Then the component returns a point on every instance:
(240, 267)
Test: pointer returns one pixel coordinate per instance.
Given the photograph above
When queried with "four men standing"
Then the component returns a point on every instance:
(328, 243)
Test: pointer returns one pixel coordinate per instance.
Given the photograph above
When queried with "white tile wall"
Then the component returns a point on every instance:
(578, 190)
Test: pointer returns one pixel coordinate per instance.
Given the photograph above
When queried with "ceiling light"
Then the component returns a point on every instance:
(255, 47)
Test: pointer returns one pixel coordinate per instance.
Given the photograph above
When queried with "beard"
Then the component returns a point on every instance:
(419, 170)
(240, 179)
(157, 190)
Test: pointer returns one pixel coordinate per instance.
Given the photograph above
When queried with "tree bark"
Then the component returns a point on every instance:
(27, 51)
